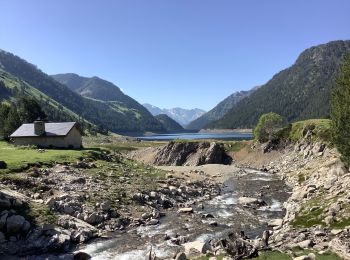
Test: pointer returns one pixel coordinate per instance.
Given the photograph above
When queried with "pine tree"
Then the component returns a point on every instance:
(340, 112)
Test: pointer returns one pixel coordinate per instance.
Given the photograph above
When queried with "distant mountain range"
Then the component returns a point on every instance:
(180, 115)
(299, 92)
(219, 110)
(119, 113)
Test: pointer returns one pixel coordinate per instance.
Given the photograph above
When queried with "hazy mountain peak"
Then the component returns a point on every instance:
(181, 115)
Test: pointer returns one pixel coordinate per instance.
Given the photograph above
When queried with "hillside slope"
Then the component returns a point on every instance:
(181, 115)
(169, 124)
(11, 88)
(220, 110)
(114, 115)
(299, 92)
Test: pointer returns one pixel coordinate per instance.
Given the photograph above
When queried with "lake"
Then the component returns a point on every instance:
(193, 136)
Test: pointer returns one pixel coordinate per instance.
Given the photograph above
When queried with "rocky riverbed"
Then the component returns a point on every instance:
(248, 200)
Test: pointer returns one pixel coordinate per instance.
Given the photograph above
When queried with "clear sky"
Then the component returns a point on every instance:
(185, 53)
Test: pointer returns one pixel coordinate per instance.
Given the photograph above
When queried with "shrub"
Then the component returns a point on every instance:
(268, 127)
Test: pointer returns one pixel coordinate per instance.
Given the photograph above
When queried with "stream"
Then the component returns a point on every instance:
(228, 214)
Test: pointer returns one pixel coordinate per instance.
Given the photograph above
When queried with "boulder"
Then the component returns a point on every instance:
(105, 206)
(94, 218)
(3, 165)
(306, 243)
(14, 224)
(181, 256)
(191, 154)
(275, 222)
(81, 256)
(201, 247)
(247, 200)
(185, 210)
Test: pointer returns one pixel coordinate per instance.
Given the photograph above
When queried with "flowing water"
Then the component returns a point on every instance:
(229, 215)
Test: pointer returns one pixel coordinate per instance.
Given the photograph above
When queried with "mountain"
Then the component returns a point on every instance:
(93, 87)
(180, 115)
(169, 124)
(219, 110)
(299, 92)
(124, 115)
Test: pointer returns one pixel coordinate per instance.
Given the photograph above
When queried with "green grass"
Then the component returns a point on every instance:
(18, 158)
(272, 255)
(308, 219)
(39, 214)
(327, 256)
(320, 127)
(235, 146)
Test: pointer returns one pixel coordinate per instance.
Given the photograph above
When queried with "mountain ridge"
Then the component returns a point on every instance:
(181, 115)
(219, 110)
(299, 92)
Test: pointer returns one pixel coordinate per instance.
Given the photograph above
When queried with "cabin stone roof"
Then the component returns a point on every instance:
(51, 129)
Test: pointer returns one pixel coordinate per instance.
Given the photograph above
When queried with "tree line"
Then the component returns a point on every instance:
(271, 126)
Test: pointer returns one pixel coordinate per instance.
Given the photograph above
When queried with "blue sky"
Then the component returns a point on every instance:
(171, 53)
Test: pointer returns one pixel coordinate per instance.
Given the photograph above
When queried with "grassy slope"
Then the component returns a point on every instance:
(18, 158)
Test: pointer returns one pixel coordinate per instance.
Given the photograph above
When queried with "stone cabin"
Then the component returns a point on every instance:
(49, 135)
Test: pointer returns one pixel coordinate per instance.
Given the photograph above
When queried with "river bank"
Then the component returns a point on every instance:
(119, 201)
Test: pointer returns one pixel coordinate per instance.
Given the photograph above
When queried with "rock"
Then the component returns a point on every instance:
(79, 180)
(26, 226)
(213, 223)
(50, 202)
(14, 224)
(5, 203)
(3, 165)
(67, 209)
(2, 237)
(306, 243)
(329, 220)
(191, 154)
(275, 222)
(81, 256)
(181, 256)
(59, 242)
(3, 219)
(105, 206)
(153, 222)
(312, 256)
(303, 257)
(247, 200)
(185, 210)
(201, 247)
(336, 231)
(208, 215)
(93, 218)
(145, 216)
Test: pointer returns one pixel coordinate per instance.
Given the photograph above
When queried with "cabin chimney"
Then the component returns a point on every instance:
(39, 127)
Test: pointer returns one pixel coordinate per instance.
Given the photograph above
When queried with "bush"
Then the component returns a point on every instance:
(340, 112)
(268, 127)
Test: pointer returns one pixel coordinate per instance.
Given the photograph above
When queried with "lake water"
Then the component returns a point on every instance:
(193, 136)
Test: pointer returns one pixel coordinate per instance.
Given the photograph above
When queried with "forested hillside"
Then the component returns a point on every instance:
(220, 110)
(169, 124)
(115, 116)
(299, 92)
